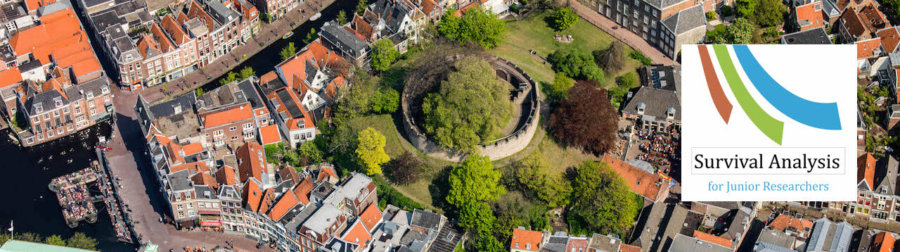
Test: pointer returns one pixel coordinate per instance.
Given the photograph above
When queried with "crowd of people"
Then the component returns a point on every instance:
(659, 148)
(74, 197)
(112, 208)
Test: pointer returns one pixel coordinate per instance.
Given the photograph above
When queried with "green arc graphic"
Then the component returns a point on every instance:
(771, 127)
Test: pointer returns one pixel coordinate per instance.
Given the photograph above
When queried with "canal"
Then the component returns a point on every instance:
(29, 203)
(266, 59)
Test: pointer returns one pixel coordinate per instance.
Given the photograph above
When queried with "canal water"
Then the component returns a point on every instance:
(267, 58)
(28, 202)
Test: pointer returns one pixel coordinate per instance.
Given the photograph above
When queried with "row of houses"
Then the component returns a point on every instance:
(147, 48)
(208, 155)
(51, 81)
(664, 24)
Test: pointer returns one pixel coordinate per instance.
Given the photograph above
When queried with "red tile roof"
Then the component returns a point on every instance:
(289, 173)
(890, 37)
(192, 149)
(225, 116)
(812, 14)
(288, 201)
(325, 173)
(884, 242)
(867, 48)
(56, 32)
(267, 201)
(866, 170)
(853, 23)
(629, 248)
(302, 191)
(712, 238)
(86, 67)
(872, 18)
(10, 76)
(195, 167)
(204, 178)
(357, 234)
(782, 222)
(174, 29)
(226, 176)
(370, 217)
(526, 239)
(251, 161)
(35, 4)
(640, 182)
(269, 134)
(252, 195)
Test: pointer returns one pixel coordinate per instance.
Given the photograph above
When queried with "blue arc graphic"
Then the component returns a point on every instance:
(814, 114)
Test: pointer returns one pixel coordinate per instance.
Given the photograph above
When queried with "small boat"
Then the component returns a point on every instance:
(287, 35)
(316, 16)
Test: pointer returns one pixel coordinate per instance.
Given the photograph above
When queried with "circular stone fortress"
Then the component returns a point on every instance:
(514, 137)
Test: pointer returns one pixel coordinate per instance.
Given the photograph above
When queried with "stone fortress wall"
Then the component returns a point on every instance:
(525, 96)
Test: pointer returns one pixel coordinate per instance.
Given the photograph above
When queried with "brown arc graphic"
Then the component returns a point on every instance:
(715, 88)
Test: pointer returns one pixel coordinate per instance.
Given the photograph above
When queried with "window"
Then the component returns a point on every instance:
(46, 116)
(36, 119)
(232, 128)
(55, 113)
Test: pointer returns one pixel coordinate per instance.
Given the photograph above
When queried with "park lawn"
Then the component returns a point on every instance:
(532, 33)
(558, 156)
(395, 145)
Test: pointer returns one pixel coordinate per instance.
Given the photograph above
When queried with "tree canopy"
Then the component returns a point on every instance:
(612, 59)
(563, 18)
(383, 54)
(533, 173)
(405, 168)
(477, 25)
(585, 119)
(473, 185)
(602, 200)
(559, 88)
(288, 51)
(386, 100)
(82, 241)
(770, 13)
(471, 106)
(739, 32)
(247, 72)
(370, 150)
(475, 180)
(575, 64)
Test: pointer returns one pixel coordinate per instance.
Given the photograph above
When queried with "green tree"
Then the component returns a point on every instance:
(478, 26)
(230, 77)
(473, 185)
(29, 237)
(371, 150)
(342, 17)
(288, 51)
(769, 13)
(711, 15)
(563, 18)
(602, 200)
(383, 54)
(361, 7)
(612, 60)
(311, 152)
(740, 31)
(746, 8)
(471, 107)
(575, 64)
(82, 241)
(386, 101)
(475, 180)
(247, 72)
(560, 87)
(55, 240)
(311, 36)
(533, 173)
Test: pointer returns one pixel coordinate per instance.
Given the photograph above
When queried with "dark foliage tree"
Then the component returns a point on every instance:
(612, 60)
(405, 168)
(586, 119)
